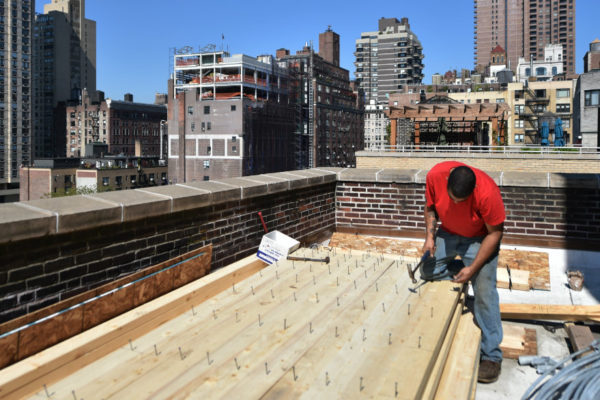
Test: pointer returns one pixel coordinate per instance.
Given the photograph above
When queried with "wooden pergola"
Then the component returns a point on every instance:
(496, 113)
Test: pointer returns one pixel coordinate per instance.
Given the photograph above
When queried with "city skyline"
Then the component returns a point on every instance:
(133, 45)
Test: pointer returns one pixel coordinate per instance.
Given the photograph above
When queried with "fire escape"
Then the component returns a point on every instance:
(536, 102)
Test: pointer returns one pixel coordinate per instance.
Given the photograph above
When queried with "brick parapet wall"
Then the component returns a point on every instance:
(554, 214)
(55, 248)
(39, 271)
(561, 163)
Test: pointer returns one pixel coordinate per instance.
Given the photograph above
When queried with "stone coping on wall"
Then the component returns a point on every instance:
(37, 218)
(552, 155)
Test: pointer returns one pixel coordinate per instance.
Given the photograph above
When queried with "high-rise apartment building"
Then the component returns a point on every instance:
(386, 61)
(16, 22)
(524, 28)
(65, 44)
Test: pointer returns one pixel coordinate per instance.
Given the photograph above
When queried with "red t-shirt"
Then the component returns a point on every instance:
(466, 218)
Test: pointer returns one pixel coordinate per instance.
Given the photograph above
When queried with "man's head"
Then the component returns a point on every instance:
(461, 183)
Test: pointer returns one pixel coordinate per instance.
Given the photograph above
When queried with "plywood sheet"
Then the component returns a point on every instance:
(537, 263)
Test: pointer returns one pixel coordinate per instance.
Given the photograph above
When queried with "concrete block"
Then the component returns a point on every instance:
(495, 175)
(421, 176)
(336, 170)
(248, 187)
(274, 185)
(360, 174)
(182, 198)
(397, 175)
(219, 192)
(78, 212)
(525, 179)
(572, 181)
(20, 222)
(136, 204)
(328, 176)
(295, 181)
(314, 177)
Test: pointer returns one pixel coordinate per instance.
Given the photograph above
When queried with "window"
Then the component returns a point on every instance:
(208, 126)
(519, 138)
(566, 123)
(151, 177)
(206, 164)
(232, 107)
(105, 181)
(190, 110)
(132, 179)
(519, 109)
(562, 93)
(519, 123)
(563, 108)
(119, 180)
(206, 177)
(540, 71)
(592, 97)
(202, 126)
(527, 71)
(233, 139)
(206, 109)
(499, 100)
(193, 126)
(554, 71)
(163, 176)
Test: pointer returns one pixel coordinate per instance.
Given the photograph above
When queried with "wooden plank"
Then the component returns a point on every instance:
(550, 312)
(580, 337)
(315, 299)
(518, 341)
(436, 373)
(463, 360)
(27, 376)
(519, 279)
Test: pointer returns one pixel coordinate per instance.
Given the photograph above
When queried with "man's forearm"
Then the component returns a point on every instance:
(488, 246)
(430, 223)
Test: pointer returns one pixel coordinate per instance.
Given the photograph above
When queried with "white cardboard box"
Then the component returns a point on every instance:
(276, 245)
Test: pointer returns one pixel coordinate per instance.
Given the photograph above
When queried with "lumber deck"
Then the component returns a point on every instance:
(353, 328)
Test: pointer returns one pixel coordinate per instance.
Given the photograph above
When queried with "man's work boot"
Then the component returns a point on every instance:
(489, 371)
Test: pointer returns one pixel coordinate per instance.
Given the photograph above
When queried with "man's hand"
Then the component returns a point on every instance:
(464, 275)
(428, 245)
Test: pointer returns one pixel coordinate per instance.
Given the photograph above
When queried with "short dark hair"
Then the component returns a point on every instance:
(461, 182)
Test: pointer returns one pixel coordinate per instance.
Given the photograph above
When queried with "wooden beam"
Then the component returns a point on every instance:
(580, 337)
(459, 374)
(518, 341)
(27, 376)
(550, 312)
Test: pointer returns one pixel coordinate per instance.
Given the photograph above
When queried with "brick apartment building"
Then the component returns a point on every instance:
(118, 124)
(523, 28)
(328, 117)
(229, 116)
(65, 176)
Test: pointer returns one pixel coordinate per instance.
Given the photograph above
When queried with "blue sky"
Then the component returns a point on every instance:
(134, 37)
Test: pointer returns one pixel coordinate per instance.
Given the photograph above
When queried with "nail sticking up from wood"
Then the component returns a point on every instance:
(156, 352)
(390, 339)
(294, 373)
(131, 345)
(267, 369)
(182, 355)
(237, 366)
(207, 358)
(48, 395)
(361, 387)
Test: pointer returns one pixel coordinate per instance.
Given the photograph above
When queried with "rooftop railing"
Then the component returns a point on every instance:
(523, 149)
